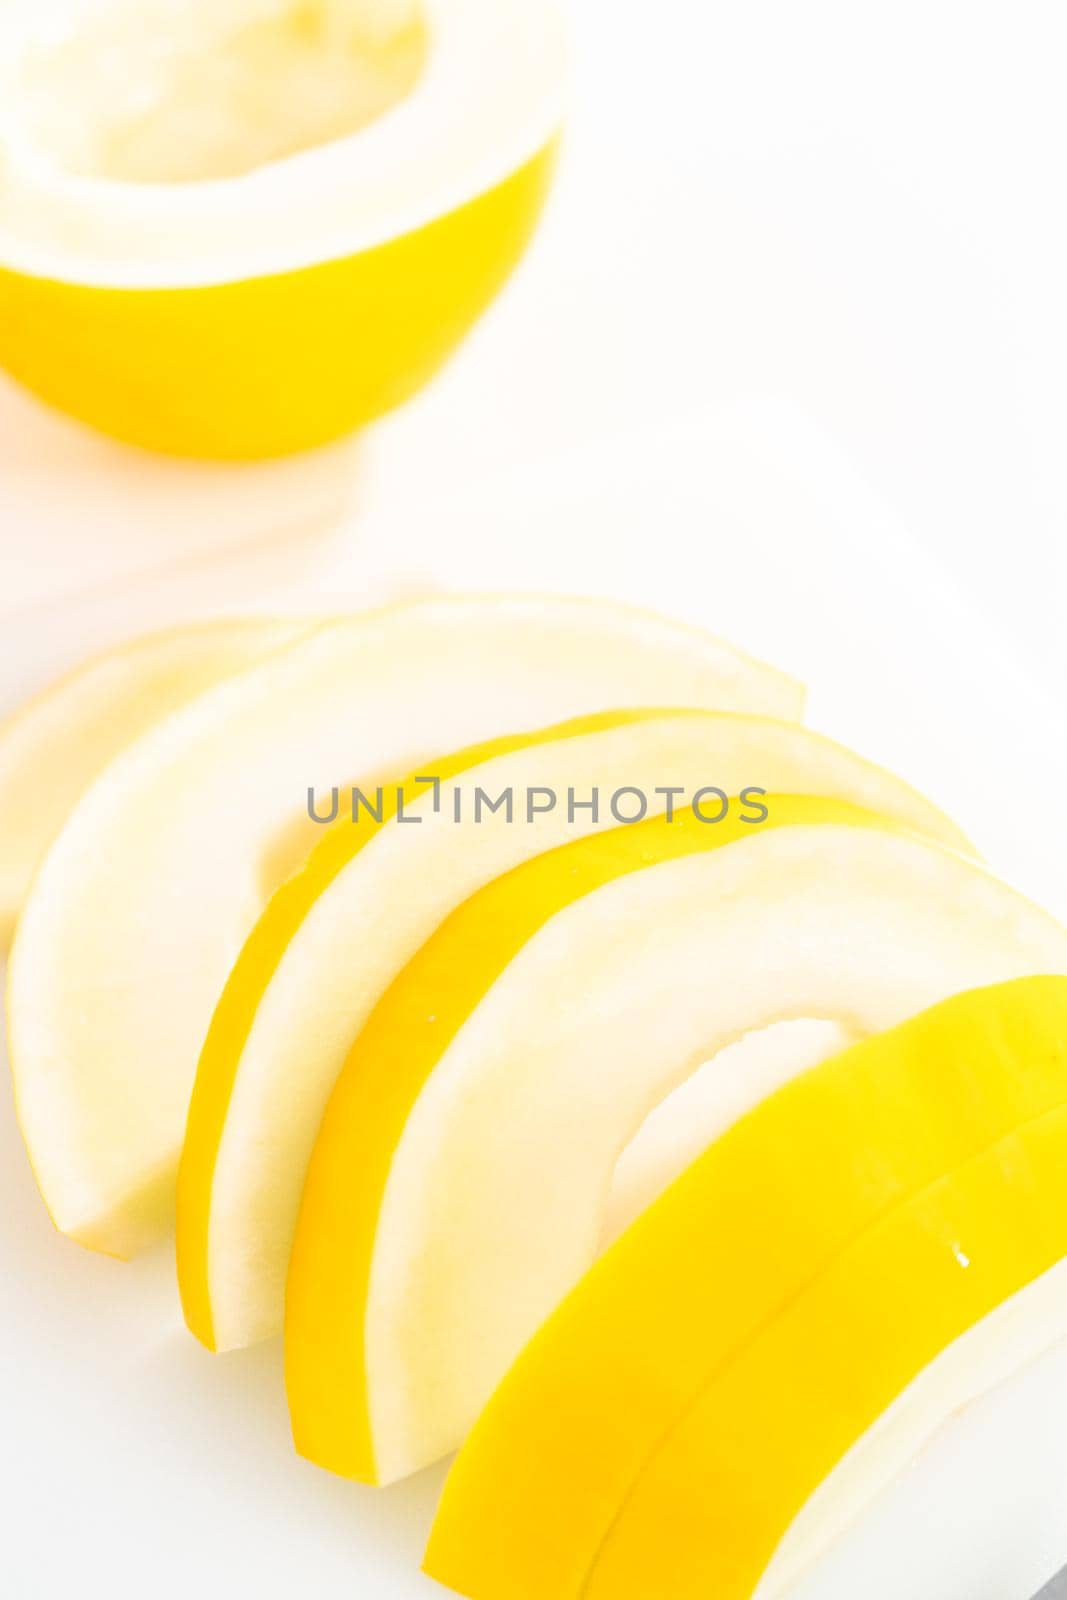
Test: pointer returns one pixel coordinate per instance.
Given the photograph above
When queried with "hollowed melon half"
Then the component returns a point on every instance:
(237, 228)
(460, 1183)
(867, 1249)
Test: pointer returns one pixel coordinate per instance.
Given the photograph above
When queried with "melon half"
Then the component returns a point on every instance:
(237, 228)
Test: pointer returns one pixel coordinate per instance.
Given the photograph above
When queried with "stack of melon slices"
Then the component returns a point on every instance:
(625, 1080)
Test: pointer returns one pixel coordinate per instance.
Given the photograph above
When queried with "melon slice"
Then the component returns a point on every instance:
(55, 745)
(460, 1183)
(664, 1428)
(296, 1000)
(144, 901)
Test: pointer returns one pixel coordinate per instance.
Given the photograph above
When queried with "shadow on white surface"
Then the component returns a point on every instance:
(80, 513)
(141, 1464)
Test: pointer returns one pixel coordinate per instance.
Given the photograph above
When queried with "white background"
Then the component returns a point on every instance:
(789, 357)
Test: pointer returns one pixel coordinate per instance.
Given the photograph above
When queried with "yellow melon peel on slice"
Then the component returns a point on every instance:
(979, 1237)
(719, 1092)
(665, 1426)
(145, 898)
(461, 1180)
(297, 997)
(53, 747)
(1004, 1347)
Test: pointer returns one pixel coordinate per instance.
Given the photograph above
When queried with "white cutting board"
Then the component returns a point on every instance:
(129, 1453)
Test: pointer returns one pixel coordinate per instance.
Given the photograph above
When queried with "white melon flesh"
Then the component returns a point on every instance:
(184, 142)
(161, 93)
(318, 996)
(997, 1349)
(53, 747)
(607, 1009)
(707, 1103)
(145, 898)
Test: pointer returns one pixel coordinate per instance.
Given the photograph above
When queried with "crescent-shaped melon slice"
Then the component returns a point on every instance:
(144, 900)
(53, 747)
(461, 1178)
(815, 1267)
(334, 937)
